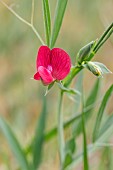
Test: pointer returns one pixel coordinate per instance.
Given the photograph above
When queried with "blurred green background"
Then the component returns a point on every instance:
(20, 96)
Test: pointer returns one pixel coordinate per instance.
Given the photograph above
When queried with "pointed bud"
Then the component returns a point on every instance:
(83, 54)
(95, 69)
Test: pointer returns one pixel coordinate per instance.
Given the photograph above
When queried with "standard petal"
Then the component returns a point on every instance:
(45, 75)
(60, 62)
(43, 57)
(37, 76)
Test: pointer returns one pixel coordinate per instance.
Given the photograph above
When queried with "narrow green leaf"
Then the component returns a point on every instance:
(91, 148)
(110, 158)
(53, 132)
(14, 144)
(104, 136)
(70, 146)
(69, 151)
(47, 20)
(69, 122)
(59, 14)
(49, 88)
(103, 36)
(68, 90)
(68, 160)
(106, 125)
(39, 137)
(90, 101)
(101, 112)
(106, 159)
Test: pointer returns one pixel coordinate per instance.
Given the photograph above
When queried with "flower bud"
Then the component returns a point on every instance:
(83, 54)
(95, 69)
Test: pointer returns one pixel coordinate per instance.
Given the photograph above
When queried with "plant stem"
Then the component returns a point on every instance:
(60, 131)
(37, 34)
(104, 40)
(32, 12)
(103, 36)
(24, 21)
(86, 166)
(73, 73)
(101, 41)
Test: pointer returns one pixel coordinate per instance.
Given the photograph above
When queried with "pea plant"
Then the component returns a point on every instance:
(54, 66)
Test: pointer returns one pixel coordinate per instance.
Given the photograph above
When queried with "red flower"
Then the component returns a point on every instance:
(52, 65)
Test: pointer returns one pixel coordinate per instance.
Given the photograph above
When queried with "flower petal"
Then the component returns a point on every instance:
(37, 76)
(60, 62)
(46, 75)
(43, 57)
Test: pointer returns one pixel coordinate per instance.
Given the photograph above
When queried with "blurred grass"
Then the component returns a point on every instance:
(21, 97)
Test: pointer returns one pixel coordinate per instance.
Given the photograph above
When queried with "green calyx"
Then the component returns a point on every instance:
(84, 52)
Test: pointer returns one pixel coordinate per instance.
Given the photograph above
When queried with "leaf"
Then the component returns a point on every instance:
(14, 144)
(68, 160)
(79, 157)
(104, 136)
(68, 90)
(49, 88)
(47, 20)
(68, 123)
(39, 137)
(90, 101)
(59, 14)
(101, 112)
(70, 146)
(53, 132)
(106, 159)
(106, 125)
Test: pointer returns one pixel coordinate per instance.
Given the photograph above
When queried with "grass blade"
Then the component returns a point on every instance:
(53, 132)
(85, 155)
(86, 166)
(39, 137)
(100, 112)
(78, 87)
(106, 159)
(69, 122)
(47, 20)
(59, 14)
(90, 101)
(106, 125)
(92, 147)
(14, 144)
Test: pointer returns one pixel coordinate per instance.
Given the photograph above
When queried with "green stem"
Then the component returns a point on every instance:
(86, 166)
(60, 131)
(101, 41)
(103, 36)
(75, 70)
(104, 40)
(24, 21)
(32, 12)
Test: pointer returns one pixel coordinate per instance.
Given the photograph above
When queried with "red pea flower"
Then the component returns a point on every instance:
(52, 65)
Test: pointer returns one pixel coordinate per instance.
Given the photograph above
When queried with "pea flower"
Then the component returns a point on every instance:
(52, 65)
